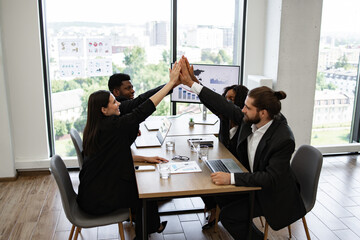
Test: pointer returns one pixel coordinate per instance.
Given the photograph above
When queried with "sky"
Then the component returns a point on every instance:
(338, 15)
(342, 16)
(210, 12)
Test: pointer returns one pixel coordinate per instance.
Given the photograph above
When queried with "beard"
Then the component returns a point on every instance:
(254, 120)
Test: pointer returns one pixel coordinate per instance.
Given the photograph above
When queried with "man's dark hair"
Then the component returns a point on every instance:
(268, 99)
(116, 80)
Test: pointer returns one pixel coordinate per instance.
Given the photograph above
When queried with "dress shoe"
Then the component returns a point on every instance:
(208, 225)
(162, 227)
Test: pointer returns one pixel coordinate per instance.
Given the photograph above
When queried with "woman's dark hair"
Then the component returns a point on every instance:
(240, 94)
(268, 99)
(97, 100)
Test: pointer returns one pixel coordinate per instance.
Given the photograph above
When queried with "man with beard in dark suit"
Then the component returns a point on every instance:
(265, 145)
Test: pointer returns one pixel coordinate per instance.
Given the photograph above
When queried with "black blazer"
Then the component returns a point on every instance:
(279, 199)
(107, 178)
(224, 134)
(127, 105)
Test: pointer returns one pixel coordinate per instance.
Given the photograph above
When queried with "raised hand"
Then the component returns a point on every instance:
(174, 81)
(175, 73)
(185, 76)
(191, 70)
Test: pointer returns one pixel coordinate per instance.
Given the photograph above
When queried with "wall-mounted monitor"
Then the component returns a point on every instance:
(215, 77)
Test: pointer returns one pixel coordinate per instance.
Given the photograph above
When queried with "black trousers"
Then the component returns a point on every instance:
(152, 218)
(209, 201)
(235, 213)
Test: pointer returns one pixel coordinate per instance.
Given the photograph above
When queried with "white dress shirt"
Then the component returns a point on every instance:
(253, 139)
(253, 142)
(232, 131)
(196, 88)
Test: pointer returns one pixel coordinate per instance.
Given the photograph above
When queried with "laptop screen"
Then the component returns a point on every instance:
(163, 130)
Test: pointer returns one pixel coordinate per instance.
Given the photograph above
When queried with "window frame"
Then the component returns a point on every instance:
(239, 47)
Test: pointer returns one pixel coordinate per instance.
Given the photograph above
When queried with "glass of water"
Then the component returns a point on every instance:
(203, 153)
(164, 170)
(195, 146)
(170, 145)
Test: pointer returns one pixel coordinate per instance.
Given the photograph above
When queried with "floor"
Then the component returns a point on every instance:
(30, 208)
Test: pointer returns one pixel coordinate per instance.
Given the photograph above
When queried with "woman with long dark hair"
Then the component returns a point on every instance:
(107, 178)
(229, 131)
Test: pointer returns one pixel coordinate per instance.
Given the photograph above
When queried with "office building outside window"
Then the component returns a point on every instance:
(88, 41)
(337, 75)
(207, 34)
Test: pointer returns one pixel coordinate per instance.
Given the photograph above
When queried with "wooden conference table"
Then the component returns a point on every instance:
(180, 125)
(152, 187)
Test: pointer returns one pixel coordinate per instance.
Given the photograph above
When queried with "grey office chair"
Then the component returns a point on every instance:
(306, 164)
(76, 139)
(78, 144)
(74, 214)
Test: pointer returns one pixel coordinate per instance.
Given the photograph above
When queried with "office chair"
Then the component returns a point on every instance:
(74, 214)
(78, 144)
(76, 139)
(306, 164)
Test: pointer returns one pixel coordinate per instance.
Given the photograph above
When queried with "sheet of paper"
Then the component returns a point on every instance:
(184, 167)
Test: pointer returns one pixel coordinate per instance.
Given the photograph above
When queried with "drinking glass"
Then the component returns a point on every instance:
(164, 170)
(203, 153)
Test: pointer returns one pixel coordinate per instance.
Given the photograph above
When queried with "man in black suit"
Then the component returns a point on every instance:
(121, 87)
(265, 146)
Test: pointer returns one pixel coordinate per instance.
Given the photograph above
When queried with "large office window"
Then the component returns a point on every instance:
(207, 33)
(90, 40)
(337, 77)
(87, 41)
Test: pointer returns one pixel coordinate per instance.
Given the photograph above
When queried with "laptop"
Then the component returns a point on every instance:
(151, 140)
(223, 165)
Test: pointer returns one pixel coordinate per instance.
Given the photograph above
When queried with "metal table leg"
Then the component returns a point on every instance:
(144, 228)
(251, 212)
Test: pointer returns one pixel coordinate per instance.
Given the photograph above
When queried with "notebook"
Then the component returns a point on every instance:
(151, 140)
(152, 125)
(223, 165)
(201, 141)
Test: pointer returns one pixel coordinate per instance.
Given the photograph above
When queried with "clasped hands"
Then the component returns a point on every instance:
(184, 72)
(187, 77)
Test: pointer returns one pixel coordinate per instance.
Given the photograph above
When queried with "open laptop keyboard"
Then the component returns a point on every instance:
(218, 166)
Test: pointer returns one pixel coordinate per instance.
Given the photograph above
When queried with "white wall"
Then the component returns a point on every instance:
(24, 79)
(281, 43)
(291, 32)
(298, 59)
(7, 168)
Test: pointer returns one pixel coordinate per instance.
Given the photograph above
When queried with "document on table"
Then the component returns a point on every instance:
(184, 167)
